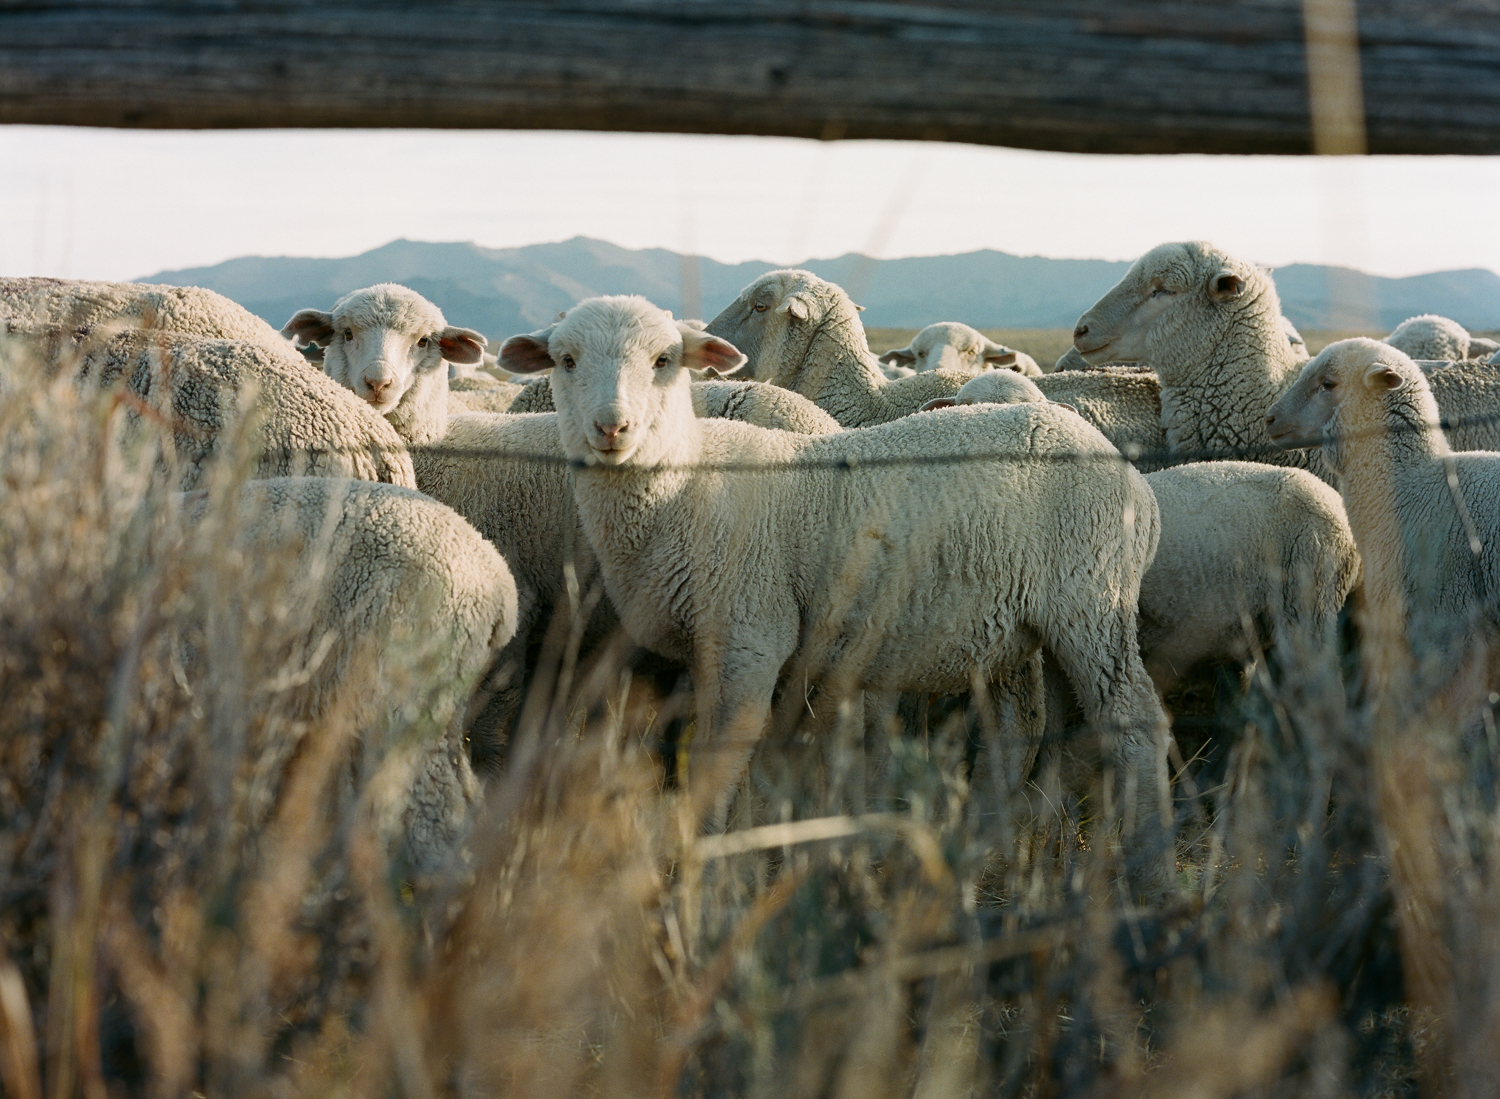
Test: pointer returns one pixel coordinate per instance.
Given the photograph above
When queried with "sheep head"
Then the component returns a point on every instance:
(380, 341)
(774, 319)
(1347, 388)
(1186, 295)
(949, 344)
(619, 376)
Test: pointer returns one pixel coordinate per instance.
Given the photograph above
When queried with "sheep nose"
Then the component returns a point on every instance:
(610, 431)
(377, 389)
(1271, 420)
(1081, 330)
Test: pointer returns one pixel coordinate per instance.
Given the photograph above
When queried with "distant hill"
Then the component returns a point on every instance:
(501, 291)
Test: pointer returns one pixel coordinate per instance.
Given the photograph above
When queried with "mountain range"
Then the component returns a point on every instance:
(502, 291)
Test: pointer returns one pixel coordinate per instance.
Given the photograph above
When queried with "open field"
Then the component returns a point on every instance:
(206, 889)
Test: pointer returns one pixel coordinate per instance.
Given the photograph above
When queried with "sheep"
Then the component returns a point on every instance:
(378, 342)
(803, 333)
(1426, 518)
(1430, 337)
(72, 304)
(910, 577)
(1125, 405)
(749, 402)
(991, 387)
(505, 474)
(957, 345)
(1250, 555)
(204, 388)
(1072, 358)
(383, 575)
(1211, 327)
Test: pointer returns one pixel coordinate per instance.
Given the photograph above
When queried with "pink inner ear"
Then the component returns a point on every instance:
(718, 354)
(524, 355)
(460, 349)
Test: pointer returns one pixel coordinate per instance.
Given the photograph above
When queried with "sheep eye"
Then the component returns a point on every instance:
(759, 307)
(663, 359)
(1160, 291)
(348, 333)
(422, 342)
(1329, 383)
(568, 363)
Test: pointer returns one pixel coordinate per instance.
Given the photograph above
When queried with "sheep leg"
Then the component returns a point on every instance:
(1119, 700)
(733, 709)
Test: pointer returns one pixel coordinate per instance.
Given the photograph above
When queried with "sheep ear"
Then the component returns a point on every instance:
(462, 345)
(309, 326)
(937, 403)
(313, 353)
(996, 355)
(796, 307)
(901, 356)
(859, 308)
(1381, 377)
(1225, 285)
(1065, 404)
(527, 354)
(705, 352)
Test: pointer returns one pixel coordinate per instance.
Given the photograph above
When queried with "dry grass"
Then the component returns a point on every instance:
(196, 897)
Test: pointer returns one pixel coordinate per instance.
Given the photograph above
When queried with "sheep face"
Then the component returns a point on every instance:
(380, 341)
(1161, 299)
(949, 344)
(776, 311)
(1343, 390)
(619, 376)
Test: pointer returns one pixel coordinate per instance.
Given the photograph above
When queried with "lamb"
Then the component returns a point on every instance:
(1250, 556)
(1426, 518)
(203, 389)
(950, 344)
(505, 474)
(385, 576)
(911, 577)
(749, 402)
(1211, 327)
(72, 304)
(1431, 337)
(380, 342)
(991, 387)
(1072, 358)
(803, 333)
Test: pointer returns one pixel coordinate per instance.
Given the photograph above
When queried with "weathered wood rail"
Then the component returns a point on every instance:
(1080, 75)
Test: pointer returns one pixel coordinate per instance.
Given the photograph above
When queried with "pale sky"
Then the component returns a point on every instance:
(119, 204)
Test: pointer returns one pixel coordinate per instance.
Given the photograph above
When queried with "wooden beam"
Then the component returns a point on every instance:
(1124, 76)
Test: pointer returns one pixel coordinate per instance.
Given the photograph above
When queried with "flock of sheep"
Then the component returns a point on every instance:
(763, 499)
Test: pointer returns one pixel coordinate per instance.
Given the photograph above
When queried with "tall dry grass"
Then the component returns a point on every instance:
(198, 897)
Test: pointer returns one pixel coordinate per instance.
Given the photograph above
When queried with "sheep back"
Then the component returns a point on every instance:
(190, 310)
(304, 422)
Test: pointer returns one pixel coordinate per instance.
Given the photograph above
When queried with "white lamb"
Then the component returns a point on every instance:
(1251, 556)
(1426, 518)
(1211, 327)
(505, 474)
(198, 391)
(991, 387)
(393, 604)
(908, 577)
(70, 303)
(803, 333)
(949, 344)
(1430, 337)
(379, 342)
